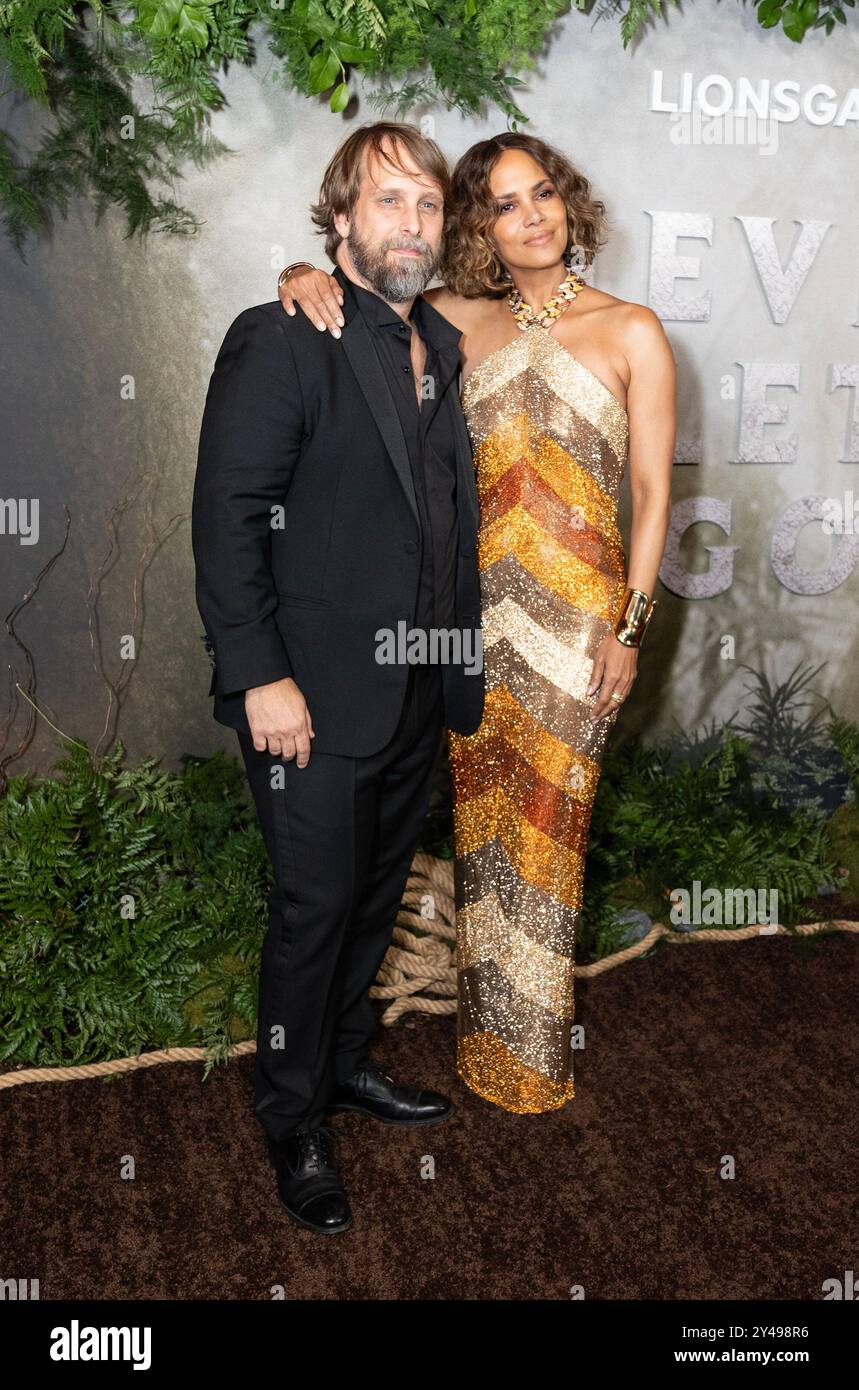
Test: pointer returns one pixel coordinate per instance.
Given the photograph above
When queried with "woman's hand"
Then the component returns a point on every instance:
(319, 295)
(615, 668)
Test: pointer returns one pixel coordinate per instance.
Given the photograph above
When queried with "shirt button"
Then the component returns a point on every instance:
(406, 370)
(411, 547)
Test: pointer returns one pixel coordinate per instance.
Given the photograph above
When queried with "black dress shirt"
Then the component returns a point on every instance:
(431, 448)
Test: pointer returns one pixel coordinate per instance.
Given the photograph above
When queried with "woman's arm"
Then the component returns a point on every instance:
(462, 313)
(652, 424)
(650, 405)
(319, 296)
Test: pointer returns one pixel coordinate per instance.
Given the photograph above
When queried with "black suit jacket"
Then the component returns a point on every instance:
(305, 526)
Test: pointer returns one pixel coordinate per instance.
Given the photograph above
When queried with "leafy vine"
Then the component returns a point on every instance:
(86, 61)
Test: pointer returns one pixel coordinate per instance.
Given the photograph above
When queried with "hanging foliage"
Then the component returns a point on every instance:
(128, 89)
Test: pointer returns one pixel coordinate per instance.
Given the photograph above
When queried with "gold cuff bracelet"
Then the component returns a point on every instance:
(287, 269)
(635, 616)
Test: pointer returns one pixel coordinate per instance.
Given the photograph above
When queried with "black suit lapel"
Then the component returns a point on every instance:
(466, 481)
(357, 342)
(358, 345)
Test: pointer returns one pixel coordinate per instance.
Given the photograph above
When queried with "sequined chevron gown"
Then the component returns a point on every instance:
(551, 444)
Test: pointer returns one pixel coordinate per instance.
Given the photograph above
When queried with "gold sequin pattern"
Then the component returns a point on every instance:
(558, 762)
(566, 382)
(563, 573)
(536, 857)
(551, 445)
(484, 933)
(497, 1074)
(546, 920)
(547, 459)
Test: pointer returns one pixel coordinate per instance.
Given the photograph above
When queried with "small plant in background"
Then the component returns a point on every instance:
(768, 801)
(662, 821)
(793, 750)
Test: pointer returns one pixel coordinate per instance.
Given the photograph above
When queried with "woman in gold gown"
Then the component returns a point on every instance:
(550, 446)
(558, 401)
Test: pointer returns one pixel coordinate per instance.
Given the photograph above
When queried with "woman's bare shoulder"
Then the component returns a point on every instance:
(637, 325)
(624, 310)
(464, 314)
(642, 329)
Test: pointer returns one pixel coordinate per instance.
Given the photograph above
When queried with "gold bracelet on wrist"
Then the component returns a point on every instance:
(284, 274)
(634, 617)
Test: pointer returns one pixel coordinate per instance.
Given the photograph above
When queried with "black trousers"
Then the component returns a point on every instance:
(341, 834)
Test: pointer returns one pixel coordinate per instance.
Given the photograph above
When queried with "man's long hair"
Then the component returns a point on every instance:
(341, 180)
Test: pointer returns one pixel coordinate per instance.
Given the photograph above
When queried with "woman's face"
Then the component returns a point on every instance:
(530, 231)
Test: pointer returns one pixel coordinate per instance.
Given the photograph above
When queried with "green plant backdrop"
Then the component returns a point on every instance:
(133, 902)
(79, 61)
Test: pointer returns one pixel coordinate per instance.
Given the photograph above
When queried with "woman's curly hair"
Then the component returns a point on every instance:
(470, 264)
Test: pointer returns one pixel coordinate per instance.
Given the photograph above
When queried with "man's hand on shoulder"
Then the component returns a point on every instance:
(279, 718)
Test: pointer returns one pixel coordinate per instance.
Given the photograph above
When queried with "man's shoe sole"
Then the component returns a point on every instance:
(387, 1119)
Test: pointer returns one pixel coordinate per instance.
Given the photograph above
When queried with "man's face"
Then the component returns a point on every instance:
(393, 237)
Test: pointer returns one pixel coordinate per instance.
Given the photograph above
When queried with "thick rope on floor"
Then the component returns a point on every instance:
(419, 969)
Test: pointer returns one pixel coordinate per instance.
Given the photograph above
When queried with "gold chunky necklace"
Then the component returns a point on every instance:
(566, 292)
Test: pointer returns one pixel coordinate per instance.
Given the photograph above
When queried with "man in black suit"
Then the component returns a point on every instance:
(335, 505)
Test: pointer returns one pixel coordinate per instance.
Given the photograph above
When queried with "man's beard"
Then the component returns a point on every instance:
(404, 279)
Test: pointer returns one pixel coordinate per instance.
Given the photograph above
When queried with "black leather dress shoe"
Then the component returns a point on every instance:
(307, 1181)
(372, 1092)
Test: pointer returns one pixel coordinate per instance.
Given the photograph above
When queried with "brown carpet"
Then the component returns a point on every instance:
(746, 1050)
